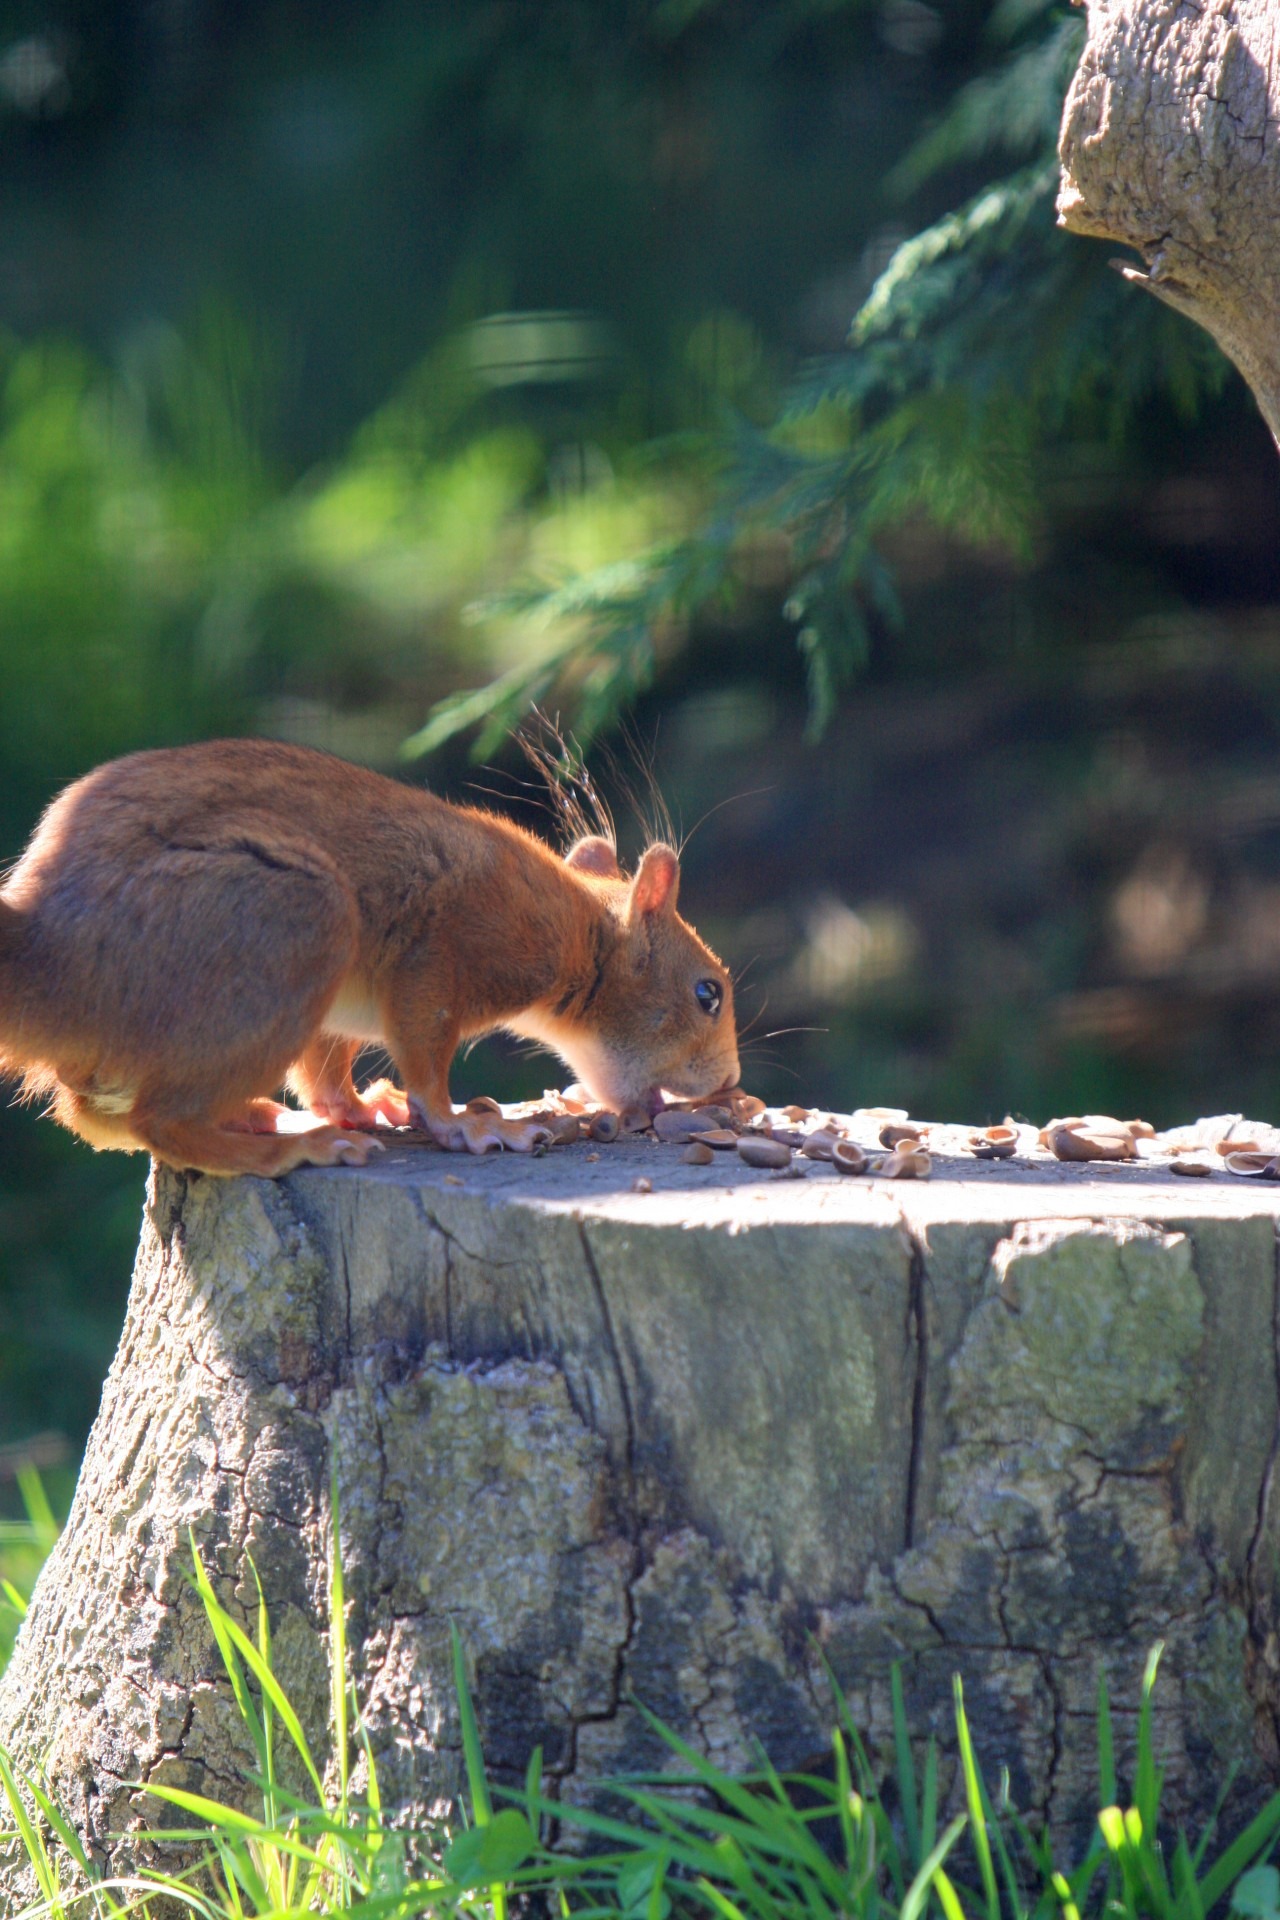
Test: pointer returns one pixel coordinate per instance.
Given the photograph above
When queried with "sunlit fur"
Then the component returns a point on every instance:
(189, 930)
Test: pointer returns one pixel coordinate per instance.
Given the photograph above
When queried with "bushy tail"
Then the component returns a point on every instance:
(12, 928)
(11, 925)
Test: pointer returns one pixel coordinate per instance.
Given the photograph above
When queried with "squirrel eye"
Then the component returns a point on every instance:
(709, 995)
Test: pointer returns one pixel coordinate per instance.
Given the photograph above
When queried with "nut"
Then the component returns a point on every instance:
(1096, 1123)
(673, 1127)
(760, 1151)
(642, 1184)
(565, 1128)
(846, 1156)
(604, 1126)
(636, 1120)
(719, 1137)
(1194, 1169)
(1080, 1142)
(796, 1113)
(744, 1106)
(893, 1136)
(821, 1144)
(704, 1117)
(994, 1143)
(908, 1163)
(697, 1154)
(1258, 1166)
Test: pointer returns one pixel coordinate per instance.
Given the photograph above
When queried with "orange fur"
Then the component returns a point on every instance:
(191, 929)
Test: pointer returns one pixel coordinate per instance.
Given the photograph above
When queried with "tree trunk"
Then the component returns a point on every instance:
(1169, 146)
(686, 1447)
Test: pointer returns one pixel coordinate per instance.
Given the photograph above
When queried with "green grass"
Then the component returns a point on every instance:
(25, 1545)
(694, 1843)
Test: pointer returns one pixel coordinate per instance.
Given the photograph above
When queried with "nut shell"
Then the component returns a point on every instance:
(908, 1163)
(1085, 1143)
(604, 1126)
(761, 1151)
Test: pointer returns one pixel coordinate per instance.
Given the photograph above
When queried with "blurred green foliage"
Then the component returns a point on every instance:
(369, 371)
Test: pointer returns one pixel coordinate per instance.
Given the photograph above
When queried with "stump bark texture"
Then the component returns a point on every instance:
(1169, 145)
(689, 1448)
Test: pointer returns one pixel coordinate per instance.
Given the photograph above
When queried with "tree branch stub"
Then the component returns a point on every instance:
(1168, 145)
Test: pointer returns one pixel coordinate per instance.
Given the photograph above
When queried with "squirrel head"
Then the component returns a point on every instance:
(658, 1015)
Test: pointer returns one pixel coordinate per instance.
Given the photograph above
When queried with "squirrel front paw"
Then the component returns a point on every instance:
(467, 1131)
(360, 1111)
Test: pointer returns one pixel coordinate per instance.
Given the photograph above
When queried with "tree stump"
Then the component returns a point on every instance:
(689, 1448)
(1169, 146)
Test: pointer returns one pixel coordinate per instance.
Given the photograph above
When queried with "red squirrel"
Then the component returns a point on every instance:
(192, 929)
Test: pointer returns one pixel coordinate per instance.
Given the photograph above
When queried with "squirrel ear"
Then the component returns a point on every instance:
(656, 883)
(594, 855)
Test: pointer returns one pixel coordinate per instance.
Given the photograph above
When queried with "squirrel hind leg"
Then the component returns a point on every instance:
(238, 1143)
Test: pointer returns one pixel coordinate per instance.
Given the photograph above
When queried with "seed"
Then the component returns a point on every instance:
(893, 1136)
(821, 1144)
(642, 1184)
(1085, 1143)
(565, 1128)
(593, 1156)
(604, 1126)
(702, 1118)
(637, 1120)
(1194, 1169)
(673, 1126)
(846, 1156)
(760, 1151)
(697, 1154)
(719, 1137)
(745, 1106)
(796, 1113)
(907, 1164)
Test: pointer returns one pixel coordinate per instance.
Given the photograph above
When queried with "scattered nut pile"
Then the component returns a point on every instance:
(884, 1142)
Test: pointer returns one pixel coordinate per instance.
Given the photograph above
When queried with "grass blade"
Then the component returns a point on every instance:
(919, 1890)
(975, 1796)
(1107, 1793)
(338, 1649)
(906, 1767)
(1242, 1853)
(1150, 1780)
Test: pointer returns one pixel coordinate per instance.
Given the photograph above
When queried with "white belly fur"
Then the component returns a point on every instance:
(353, 1014)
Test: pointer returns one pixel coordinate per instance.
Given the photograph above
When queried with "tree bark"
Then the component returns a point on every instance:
(1169, 146)
(691, 1448)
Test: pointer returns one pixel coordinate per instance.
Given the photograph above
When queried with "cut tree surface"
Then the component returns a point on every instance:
(691, 1448)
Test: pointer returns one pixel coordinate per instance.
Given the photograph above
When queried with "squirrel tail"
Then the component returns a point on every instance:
(12, 925)
(12, 930)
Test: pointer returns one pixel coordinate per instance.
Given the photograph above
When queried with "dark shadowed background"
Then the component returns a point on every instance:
(357, 356)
